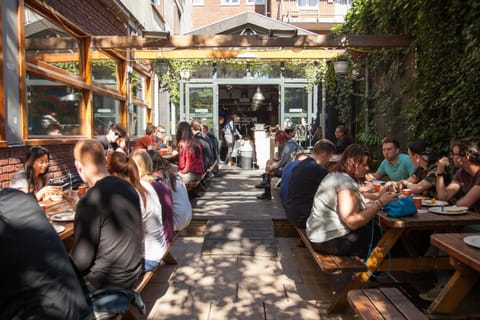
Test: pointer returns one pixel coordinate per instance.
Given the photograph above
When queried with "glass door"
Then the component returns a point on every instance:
(201, 104)
(297, 109)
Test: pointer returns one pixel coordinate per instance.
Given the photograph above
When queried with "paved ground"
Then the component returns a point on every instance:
(239, 260)
(239, 282)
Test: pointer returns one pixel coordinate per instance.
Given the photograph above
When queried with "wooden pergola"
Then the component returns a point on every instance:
(230, 46)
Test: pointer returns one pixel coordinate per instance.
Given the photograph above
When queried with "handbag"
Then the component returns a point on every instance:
(402, 207)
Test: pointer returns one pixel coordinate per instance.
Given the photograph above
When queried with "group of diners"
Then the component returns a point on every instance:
(336, 202)
(123, 224)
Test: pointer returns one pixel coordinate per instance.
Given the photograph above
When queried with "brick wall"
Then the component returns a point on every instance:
(11, 161)
(93, 16)
(212, 11)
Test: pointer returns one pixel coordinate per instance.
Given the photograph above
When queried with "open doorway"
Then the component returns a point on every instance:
(240, 99)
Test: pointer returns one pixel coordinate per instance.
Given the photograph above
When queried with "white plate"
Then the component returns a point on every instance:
(56, 198)
(65, 216)
(58, 228)
(473, 241)
(437, 203)
(422, 211)
(450, 210)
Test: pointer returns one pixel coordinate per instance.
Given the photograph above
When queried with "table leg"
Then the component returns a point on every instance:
(456, 288)
(376, 258)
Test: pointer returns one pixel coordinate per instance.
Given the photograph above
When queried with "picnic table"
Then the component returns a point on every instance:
(393, 229)
(465, 259)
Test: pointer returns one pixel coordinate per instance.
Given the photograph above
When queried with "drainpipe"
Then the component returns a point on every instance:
(267, 7)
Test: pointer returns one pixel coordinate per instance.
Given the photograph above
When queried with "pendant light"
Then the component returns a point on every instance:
(258, 96)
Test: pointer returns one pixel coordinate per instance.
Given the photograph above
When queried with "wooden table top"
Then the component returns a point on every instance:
(455, 246)
(429, 220)
(60, 207)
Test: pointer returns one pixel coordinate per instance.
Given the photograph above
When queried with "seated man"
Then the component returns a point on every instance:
(466, 156)
(287, 174)
(287, 147)
(205, 143)
(109, 141)
(38, 279)
(396, 166)
(147, 141)
(108, 239)
(304, 182)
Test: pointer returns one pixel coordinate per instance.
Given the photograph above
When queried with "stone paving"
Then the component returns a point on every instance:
(247, 277)
(239, 285)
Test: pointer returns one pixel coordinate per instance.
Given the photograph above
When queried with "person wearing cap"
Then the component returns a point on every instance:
(424, 177)
(466, 157)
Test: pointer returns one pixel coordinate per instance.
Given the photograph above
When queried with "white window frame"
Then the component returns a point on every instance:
(198, 3)
(230, 2)
(308, 4)
(254, 2)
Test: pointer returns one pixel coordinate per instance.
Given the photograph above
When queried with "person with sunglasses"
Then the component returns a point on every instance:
(110, 140)
(466, 157)
(33, 178)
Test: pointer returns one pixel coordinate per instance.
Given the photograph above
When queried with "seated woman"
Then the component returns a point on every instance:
(287, 148)
(154, 238)
(339, 223)
(424, 177)
(34, 176)
(344, 139)
(190, 156)
(145, 169)
(182, 208)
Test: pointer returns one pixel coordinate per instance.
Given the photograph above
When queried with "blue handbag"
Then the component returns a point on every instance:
(402, 207)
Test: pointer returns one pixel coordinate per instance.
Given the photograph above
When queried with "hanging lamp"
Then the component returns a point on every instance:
(258, 96)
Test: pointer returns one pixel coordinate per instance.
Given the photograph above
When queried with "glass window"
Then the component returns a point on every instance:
(230, 2)
(104, 69)
(137, 85)
(38, 28)
(136, 121)
(197, 3)
(53, 108)
(106, 111)
(252, 2)
(307, 4)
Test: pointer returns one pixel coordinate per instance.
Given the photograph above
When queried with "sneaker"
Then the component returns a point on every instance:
(431, 294)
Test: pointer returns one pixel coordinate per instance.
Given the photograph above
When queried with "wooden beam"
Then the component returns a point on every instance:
(239, 41)
(284, 54)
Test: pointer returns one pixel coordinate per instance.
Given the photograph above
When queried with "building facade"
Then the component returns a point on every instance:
(56, 88)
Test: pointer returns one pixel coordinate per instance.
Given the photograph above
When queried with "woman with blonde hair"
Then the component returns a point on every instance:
(145, 169)
(154, 238)
(182, 208)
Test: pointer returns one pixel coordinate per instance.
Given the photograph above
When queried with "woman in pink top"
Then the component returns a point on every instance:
(190, 157)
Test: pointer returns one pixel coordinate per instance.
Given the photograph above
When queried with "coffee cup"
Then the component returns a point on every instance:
(377, 186)
(406, 192)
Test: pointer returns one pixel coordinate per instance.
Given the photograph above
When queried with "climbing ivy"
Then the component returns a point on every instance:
(312, 71)
(442, 90)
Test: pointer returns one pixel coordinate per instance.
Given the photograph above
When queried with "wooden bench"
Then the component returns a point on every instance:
(330, 263)
(167, 259)
(193, 186)
(383, 303)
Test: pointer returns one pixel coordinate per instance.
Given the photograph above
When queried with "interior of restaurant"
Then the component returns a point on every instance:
(255, 104)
